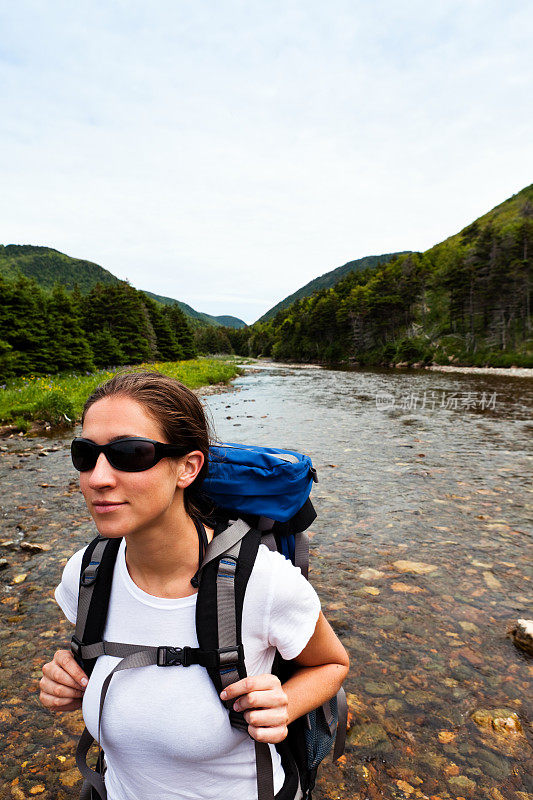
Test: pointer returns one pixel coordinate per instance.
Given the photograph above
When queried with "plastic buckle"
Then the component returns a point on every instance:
(89, 573)
(229, 656)
(314, 475)
(75, 646)
(170, 657)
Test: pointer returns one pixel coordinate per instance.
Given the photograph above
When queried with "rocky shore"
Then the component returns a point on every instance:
(515, 372)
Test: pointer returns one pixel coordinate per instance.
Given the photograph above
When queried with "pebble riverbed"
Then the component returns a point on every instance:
(421, 555)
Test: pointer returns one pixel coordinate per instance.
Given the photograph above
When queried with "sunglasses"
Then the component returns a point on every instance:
(131, 454)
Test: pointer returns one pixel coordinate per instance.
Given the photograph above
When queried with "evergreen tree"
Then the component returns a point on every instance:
(212, 339)
(106, 349)
(22, 325)
(7, 361)
(121, 308)
(67, 346)
(168, 347)
(181, 330)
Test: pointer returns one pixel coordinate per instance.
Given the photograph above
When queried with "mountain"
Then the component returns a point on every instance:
(199, 316)
(466, 301)
(329, 279)
(48, 267)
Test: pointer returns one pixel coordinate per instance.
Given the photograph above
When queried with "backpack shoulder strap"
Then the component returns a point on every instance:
(225, 572)
(224, 575)
(96, 577)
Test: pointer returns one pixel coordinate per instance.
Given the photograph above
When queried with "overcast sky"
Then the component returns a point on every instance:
(225, 153)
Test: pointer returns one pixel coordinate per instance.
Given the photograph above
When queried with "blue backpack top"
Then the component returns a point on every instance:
(263, 481)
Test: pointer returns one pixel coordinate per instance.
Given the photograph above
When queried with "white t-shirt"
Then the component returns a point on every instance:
(165, 731)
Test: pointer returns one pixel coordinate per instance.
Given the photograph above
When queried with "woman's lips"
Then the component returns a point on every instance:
(102, 507)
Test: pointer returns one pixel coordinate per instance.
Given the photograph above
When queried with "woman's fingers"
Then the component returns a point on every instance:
(56, 689)
(59, 703)
(254, 682)
(270, 735)
(265, 706)
(267, 717)
(66, 661)
(270, 698)
(63, 683)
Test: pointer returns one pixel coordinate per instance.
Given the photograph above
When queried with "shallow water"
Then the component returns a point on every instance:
(421, 554)
(427, 468)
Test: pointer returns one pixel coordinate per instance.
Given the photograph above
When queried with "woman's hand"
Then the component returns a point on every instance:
(63, 683)
(265, 706)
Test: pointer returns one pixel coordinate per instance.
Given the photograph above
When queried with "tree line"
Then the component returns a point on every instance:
(44, 332)
(467, 300)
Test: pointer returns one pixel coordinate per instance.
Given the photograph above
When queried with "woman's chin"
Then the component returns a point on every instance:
(109, 530)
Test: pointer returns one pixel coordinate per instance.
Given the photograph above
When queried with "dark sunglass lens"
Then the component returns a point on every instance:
(83, 455)
(132, 455)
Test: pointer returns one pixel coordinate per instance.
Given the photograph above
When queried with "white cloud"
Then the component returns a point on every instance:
(222, 151)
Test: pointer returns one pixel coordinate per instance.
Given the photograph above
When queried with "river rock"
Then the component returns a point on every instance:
(406, 588)
(445, 737)
(417, 567)
(4, 563)
(394, 705)
(70, 778)
(462, 783)
(501, 720)
(491, 581)
(378, 688)
(370, 574)
(34, 547)
(419, 697)
(367, 735)
(522, 635)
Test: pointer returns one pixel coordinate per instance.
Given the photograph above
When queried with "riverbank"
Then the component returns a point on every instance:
(37, 404)
(516, 372)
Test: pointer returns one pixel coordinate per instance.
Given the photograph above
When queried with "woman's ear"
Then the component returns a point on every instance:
(189, 467)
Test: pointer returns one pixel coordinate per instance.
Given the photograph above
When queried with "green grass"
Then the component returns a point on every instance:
(59, 399)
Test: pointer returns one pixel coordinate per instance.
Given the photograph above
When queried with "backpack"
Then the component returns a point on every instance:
(260, 495)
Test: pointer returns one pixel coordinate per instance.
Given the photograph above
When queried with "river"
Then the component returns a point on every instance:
(421, 554)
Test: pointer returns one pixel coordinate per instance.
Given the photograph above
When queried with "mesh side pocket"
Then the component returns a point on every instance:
(319, 738)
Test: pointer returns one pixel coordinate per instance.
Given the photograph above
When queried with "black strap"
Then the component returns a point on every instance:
(202, 547)
(97, 614)
(265, 777)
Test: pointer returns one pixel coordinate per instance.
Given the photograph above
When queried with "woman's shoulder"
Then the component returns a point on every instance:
(274, 574)
(270, 562)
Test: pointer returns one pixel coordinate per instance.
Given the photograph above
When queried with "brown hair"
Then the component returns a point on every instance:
(178, 412)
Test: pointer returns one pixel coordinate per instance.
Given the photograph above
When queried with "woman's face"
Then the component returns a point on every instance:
(123, 503)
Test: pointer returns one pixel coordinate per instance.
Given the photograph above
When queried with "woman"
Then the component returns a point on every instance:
(167, 734)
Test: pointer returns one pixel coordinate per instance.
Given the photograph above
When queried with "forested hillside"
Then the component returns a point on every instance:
(48, 268)
(198, 318)
(328, 280)
(48, 332)
(466, 301)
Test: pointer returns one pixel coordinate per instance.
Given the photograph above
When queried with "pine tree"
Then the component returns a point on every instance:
(120, 307)
(67, 347)
(22, 325)
(168, 347)
(181, 330)
(107, 351)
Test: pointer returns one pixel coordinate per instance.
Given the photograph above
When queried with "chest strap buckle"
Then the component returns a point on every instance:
(172, 657)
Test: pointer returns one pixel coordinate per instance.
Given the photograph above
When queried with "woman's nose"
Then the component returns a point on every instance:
(103, 473)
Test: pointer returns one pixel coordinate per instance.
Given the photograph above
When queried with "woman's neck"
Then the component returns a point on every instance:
(162, 560)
